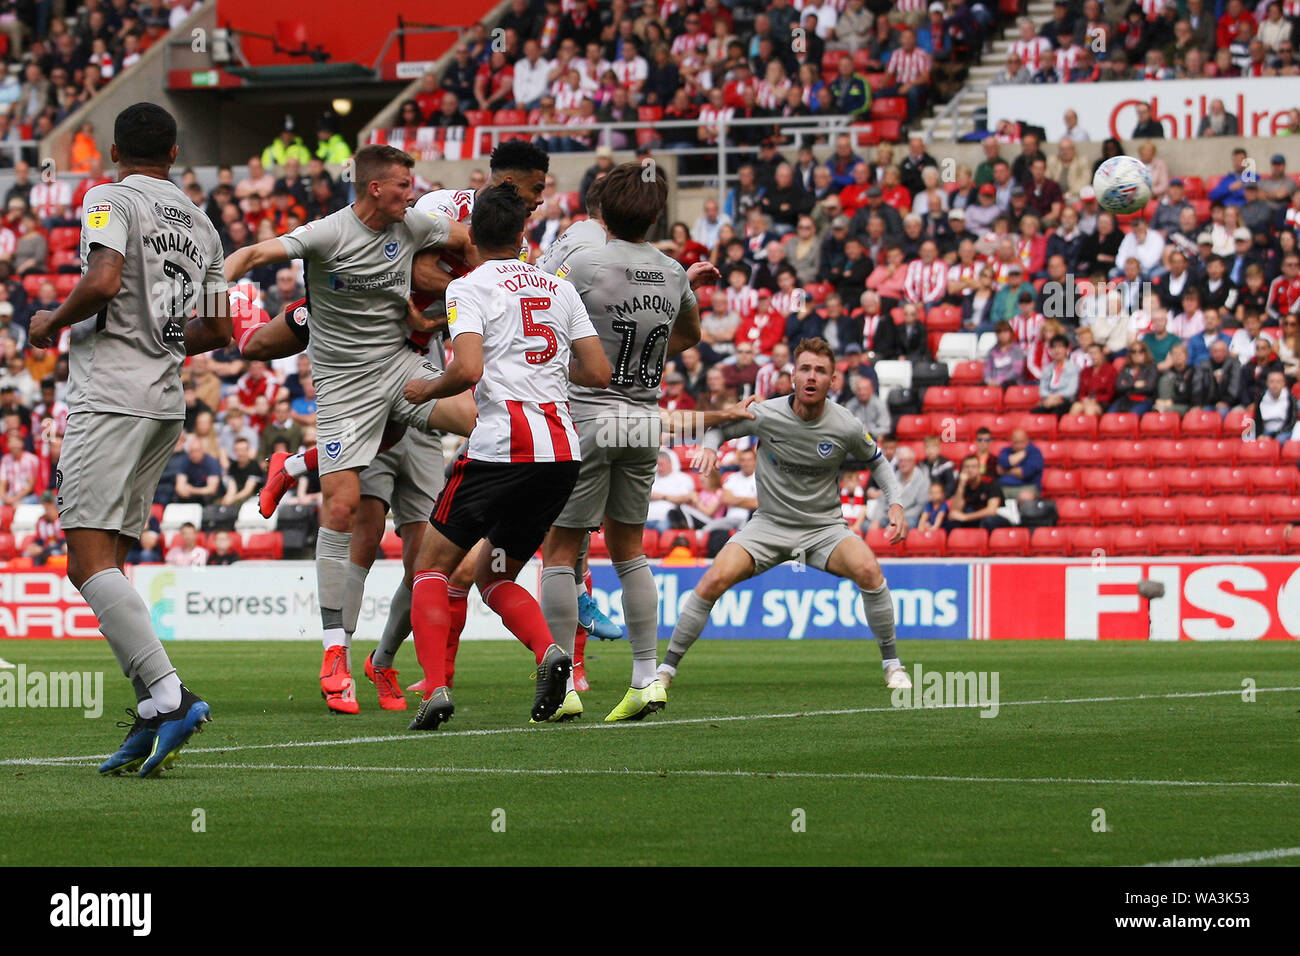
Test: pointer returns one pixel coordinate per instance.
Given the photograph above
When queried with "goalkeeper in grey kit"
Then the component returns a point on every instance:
(804, 441)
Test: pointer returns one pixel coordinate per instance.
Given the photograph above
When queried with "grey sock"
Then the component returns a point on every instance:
(580, 567)
(141, 690)
(640, 607)
(332, 550)
(690, 622)
(560, 605)
(126, 624)
(879, 608)
(354, 590)
(396, 628)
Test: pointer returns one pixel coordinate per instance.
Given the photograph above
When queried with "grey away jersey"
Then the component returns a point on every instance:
(586, 234)
(127, 359)
(358, 281)
(633, 293)
(799, 462)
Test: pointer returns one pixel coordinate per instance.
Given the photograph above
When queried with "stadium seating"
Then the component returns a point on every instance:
(1008, 542)
(927, 544)
(968, 543)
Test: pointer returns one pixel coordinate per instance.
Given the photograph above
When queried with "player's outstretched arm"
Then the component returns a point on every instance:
(92, 294)
(241, 261)
(271, 341)
(588, 365)
(689, 426)
(463, 373)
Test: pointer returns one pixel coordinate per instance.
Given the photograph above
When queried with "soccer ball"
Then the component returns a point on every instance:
(1122, 184)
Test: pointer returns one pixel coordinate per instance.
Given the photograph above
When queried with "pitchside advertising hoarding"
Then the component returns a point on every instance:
(1205, 599)
(1110, 109)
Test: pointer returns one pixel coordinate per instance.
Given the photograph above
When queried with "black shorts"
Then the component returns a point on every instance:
(512, 504)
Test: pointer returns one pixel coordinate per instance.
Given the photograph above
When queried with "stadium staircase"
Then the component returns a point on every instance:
(957, 117)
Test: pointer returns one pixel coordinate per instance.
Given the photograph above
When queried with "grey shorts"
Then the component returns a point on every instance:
(407, 477)
(770, 543)
(353, 406)
(109, 469)
(617, 472)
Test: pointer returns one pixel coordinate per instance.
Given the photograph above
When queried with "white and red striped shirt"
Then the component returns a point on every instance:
(1067, 58)
(50, 200)
(567, 99)
(965, 273)
(631, 71)
(772, 97)
(1027, 329)
(591, 73)
(249, 388)
(1283, 295)
(49, 531)
(528, 321)
(908, 67)
(783, 303)
(1002, 270)
(1152, 8)
(17, 474)
(765, 381)
(710, 117)
(742, 301)
(1032, 51)
(922, 283)
(58, 414)
(8, 243)
(915, 6)
(870, 328)
(689, 43)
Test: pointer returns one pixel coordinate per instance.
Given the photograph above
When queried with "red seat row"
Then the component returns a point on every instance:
(1222, 480)
(979, 398)
(1086, 541)
(1161, 452)
(1195, 424)
(1190, 509)
(64, 282)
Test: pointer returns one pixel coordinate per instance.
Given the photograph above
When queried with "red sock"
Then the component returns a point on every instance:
(311, 457)
(521, 615)
(430, 615)
(579, 646)
(459, 598)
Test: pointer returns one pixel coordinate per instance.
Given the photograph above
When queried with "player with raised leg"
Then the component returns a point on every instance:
(358, 264)
(152, 293)
(521, 336)
(803, 442)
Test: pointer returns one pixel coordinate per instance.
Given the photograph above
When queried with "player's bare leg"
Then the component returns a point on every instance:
(852, 559)
(646, 694)
(341, 493)
(732, 565)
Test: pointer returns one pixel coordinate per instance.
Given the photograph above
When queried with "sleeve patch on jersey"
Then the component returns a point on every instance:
(451, 311)
(97, 216)
(563, 271)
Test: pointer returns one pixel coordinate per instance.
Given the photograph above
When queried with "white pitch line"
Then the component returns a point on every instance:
(1230, 858)
(684, 721)
(776, 774)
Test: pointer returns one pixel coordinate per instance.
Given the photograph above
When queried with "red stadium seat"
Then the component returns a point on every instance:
(1272, 479)
(64, 237)
(1263, 538)
(479, 117)
(1077, 426)
(879, 542)
(1008, 542)
(1020, 398)
(265, 546)
(1169, 452)
(941, 398)
(879, 81)
(1227, 481)
(1143, 481)
(1118, 425)
(819, 291)
(1086, 542)
(1090, 454)
(1039, 427)
(1187, 481)
(994, 423)
(1218, 539)
(911, 427)
(1160, 425)
(1159, 511)
(1171, 539)
(510, 118)
(1237, 425)
(1057, 454)
(64, 283)
(1292, 541)
(1045, 542)
(1113, 512)
(1213, 452)
(980, 398)
(650, 543)
(1284, 509)
(1076, 511)
(970, 373)
(831, 60)
(1100, 481)
(1261, 451)
(1290, 454)
(1193, 187)
(891, 130)
(8, 548)
(1201, 510)
(32, 284)
(1245, 509)
(1132, 541)
(1202, 207)
(1058, 482)
(1129, 454)
(669, 540)
(926, 544)
(6, 517)
(943, 318)
(865, 134)
(597, 548)
(1199, 423)
(391, 546)
(968, 543)
(649, 114)
(889, 107)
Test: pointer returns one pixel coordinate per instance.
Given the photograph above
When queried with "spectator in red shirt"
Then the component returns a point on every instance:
(1096, 384)
(675, 396)
(19, 473)
(763, 329)
(1231, 22)
(256, 381)
(495, 83)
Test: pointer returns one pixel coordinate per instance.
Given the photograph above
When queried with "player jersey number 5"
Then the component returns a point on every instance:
(643, 367)
(528, 307)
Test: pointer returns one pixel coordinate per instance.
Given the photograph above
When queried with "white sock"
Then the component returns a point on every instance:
(146, 709)
(668, 669)
(643, 672)
(296, 465)
(892, 662)
(166, 693)
(334, 637)
(568, 684)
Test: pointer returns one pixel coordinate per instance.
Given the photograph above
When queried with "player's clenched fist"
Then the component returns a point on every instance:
(702, 273)
(417, 391)
(41, 331)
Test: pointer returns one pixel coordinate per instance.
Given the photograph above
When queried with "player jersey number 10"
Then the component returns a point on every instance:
(650, 368)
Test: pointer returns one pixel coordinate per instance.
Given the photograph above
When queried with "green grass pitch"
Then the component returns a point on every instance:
(768, 753)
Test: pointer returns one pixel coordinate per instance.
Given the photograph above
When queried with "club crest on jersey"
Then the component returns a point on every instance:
(300, 315)
(390, 249)
(824, 448)
(334, 449)
(97, 216)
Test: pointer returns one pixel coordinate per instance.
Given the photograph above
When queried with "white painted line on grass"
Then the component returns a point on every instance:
(624, 725)
(771, 774)
(1227, 859)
